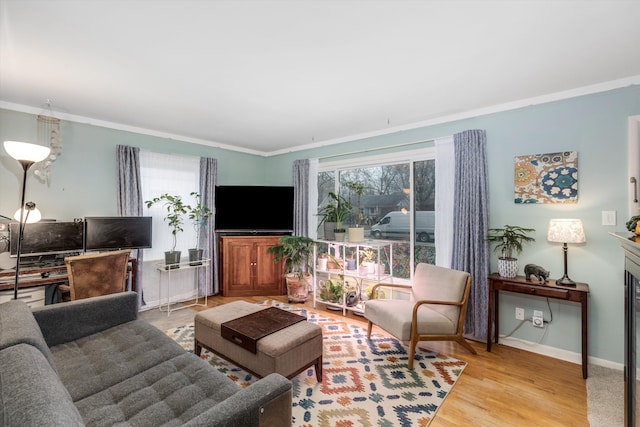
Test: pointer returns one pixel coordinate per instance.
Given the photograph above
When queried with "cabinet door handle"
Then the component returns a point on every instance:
(633, 181)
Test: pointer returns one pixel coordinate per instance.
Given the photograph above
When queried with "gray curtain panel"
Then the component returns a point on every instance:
(130, 201)
(208, 277)
(301, 197)
(470, 224)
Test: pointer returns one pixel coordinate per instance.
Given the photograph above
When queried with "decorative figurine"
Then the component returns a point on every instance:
(535, 270)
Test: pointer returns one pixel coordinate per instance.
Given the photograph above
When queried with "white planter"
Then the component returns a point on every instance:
(507, 267)
(356, 234)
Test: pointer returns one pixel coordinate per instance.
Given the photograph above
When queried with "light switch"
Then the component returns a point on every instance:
(608, 217)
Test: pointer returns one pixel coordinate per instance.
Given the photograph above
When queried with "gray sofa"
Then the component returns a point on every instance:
(91, 362)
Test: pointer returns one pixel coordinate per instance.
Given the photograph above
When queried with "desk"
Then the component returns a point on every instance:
(29, 277)
(519, 285)
(167, 269)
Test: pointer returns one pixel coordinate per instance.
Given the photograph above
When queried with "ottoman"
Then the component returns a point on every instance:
(287, 352)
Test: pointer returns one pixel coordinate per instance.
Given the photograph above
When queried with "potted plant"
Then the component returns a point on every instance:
(199, 215)
(297, 253)
(328, 221)
(367, 261)
(356, 233)
(338, 209)
(331, 291)
(508, 242)
(175, 210)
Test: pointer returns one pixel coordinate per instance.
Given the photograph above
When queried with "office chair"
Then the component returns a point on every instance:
(95, 274)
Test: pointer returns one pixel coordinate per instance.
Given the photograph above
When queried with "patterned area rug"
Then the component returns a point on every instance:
(365, 382)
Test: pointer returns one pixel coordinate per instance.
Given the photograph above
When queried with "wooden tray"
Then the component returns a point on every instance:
(245, 331)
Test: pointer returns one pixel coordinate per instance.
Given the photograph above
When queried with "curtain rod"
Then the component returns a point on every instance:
(368, 150)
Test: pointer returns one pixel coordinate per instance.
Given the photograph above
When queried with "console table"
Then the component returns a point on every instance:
(168, 269)
(520, 285)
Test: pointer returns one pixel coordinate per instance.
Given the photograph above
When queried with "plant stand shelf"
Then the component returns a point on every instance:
(370, 263)
(166, 271)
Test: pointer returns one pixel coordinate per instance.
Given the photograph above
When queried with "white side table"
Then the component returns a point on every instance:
(167, 269)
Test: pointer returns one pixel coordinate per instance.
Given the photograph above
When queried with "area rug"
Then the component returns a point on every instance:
(365, 382)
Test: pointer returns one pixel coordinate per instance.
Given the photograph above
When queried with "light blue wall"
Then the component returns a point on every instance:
(84, 176)
(84, 183)
(596, 127)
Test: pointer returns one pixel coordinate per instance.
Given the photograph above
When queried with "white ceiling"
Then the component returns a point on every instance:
(272, 76)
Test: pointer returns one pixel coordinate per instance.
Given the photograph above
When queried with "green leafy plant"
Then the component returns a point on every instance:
(297, 253)
(335, 211)
(175, 210)
(367, 255)
(199, 215)
(332, 291)
(357, 187)
(508, 240)
(632, 223)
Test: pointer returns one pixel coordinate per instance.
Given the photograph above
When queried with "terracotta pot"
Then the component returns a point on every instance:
(298, 289)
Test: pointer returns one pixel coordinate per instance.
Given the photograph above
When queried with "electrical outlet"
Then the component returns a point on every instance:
(537, 320)
(519, 313)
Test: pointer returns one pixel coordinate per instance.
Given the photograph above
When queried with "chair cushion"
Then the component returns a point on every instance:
(394, 316)
(439, 284)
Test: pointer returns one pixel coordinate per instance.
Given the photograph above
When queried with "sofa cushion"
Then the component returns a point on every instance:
(96, 362)
(17, 325)
(31, 393)
(168, 394)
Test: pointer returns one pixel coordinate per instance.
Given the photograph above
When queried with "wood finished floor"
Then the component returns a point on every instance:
(507, 387)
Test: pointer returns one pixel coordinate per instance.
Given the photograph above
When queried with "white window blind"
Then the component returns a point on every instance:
(178, 176)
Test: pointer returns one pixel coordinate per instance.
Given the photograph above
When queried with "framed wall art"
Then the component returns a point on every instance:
(546, 178)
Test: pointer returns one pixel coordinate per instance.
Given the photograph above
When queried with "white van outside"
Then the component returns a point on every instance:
(396, 224)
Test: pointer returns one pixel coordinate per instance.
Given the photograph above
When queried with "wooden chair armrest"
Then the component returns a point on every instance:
(417, 305)
(386, 285)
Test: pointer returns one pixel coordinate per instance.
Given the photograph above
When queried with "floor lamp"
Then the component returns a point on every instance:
(26, 154)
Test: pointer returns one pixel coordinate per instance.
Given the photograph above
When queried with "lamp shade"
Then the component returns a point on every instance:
(34, 215)
(26, 151)
(566, 231)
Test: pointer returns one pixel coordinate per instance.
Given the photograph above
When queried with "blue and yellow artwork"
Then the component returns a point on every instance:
(546, 178)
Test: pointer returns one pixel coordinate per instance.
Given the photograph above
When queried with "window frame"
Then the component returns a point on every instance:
(362, 161)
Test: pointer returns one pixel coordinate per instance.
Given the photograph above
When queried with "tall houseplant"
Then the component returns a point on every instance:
(356, 233)
(337, 209)
(174, 217)
(199, 215)
(508, 243)
(297, 254)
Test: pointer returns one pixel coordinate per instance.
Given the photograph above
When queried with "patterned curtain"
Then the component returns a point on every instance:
(300, 197)
(208, 277)
(470, 220)
(130, 201)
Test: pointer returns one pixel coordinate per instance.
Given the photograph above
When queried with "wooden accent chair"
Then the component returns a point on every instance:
(96, 274)
(435, 310)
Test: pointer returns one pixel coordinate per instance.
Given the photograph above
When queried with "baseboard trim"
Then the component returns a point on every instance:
(557, 353)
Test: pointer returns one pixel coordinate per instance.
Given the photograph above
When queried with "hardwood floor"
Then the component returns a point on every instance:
(507, 387)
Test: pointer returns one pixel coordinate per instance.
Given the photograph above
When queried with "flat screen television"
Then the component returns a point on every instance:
(44, 238)
(117, 232)
(255, 209)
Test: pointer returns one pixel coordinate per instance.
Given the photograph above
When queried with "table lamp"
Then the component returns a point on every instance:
(566, 231)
